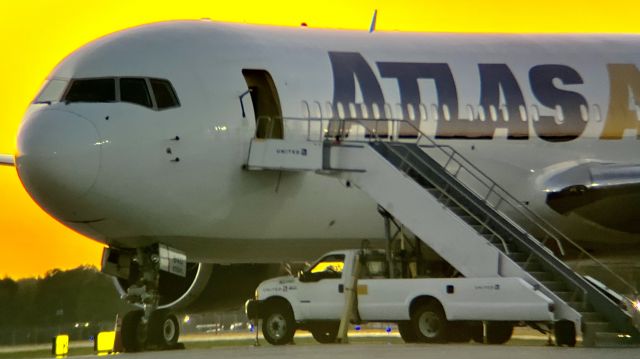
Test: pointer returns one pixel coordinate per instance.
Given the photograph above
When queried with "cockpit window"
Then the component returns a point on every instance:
(134, 90)
(164, 93)
(52, 91)
(92, 90)
(155, 94)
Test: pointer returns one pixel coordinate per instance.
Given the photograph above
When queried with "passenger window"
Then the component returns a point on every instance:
(135, 91)
(93, 90)
(164, 94)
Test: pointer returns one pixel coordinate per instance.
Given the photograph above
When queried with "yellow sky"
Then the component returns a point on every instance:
(36, 34)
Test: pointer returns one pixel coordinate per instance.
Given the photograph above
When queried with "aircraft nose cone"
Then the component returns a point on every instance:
(58, 159)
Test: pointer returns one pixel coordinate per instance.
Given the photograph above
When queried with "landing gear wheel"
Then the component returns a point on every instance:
(407, 332)
(499, 332)
(430, 323)
(164, 329)
(325, 333)
(133, 335)
(278, 325)
(459, 332)
(565, 332)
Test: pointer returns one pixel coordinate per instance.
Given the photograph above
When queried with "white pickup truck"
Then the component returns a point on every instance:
(425, 309)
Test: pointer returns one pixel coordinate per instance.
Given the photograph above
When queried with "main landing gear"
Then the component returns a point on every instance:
(148, 328)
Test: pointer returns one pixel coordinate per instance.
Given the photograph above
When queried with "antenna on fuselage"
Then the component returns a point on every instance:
(372, 28)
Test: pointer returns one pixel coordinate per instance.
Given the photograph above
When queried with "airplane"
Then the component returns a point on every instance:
(138, 140)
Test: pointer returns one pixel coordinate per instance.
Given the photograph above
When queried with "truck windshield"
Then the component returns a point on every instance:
(331, 263)
(328, 267)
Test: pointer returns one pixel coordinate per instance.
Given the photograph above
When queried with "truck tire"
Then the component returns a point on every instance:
(499, 332)
(477, 332)
(278, 325)
(407, 332)
(430, 323)
(459, 332)
(325, 333)
(565, 332)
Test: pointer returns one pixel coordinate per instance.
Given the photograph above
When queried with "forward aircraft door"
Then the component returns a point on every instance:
(266, 104)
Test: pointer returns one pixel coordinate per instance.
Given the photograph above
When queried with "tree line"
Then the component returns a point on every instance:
(60, 298)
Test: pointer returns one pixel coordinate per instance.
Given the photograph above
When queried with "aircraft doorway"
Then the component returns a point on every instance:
(266, 104)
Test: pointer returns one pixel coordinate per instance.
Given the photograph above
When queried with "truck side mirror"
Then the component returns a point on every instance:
(303, 276)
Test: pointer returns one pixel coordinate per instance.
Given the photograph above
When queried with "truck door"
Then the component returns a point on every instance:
(321, 291)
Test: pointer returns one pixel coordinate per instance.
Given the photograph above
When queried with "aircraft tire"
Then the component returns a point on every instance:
(133, 338)
(164, 329)
(278, 324)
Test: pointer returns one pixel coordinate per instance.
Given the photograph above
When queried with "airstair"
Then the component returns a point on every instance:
(453, 207)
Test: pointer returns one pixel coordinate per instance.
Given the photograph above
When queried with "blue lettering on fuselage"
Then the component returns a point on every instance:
(509, 111)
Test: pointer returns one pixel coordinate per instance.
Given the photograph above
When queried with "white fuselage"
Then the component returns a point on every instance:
(108, 170)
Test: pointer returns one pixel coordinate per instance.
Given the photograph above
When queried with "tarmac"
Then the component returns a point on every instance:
(404, 351)
(369, 345)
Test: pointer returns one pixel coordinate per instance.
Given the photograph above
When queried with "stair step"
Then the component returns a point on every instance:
(580, 306)
(531, 266)
(501, 246)
(434, 192)
(488, 236)
(519, 256)
(597, 326)
(468, 219)
(429, 186)
(612, 339)
(565, 295)
(541, 276)
(458, 211)
(592, 317)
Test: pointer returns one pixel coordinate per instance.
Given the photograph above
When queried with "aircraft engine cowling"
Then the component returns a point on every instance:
(209, 287)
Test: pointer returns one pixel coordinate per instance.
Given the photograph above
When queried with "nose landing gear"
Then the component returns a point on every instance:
(150, 327)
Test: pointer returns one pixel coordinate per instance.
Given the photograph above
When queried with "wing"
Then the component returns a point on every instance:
(604, 193)
(7, 160)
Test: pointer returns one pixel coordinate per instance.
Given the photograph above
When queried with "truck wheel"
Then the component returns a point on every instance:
(278, 325)
(476, 329)
(429, 323)
(565, 332)
(499, 332)
(459, 332)
(325, 333)
(407, 332)
(164, 329)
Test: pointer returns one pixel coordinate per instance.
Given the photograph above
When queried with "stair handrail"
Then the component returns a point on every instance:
(519, 208)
